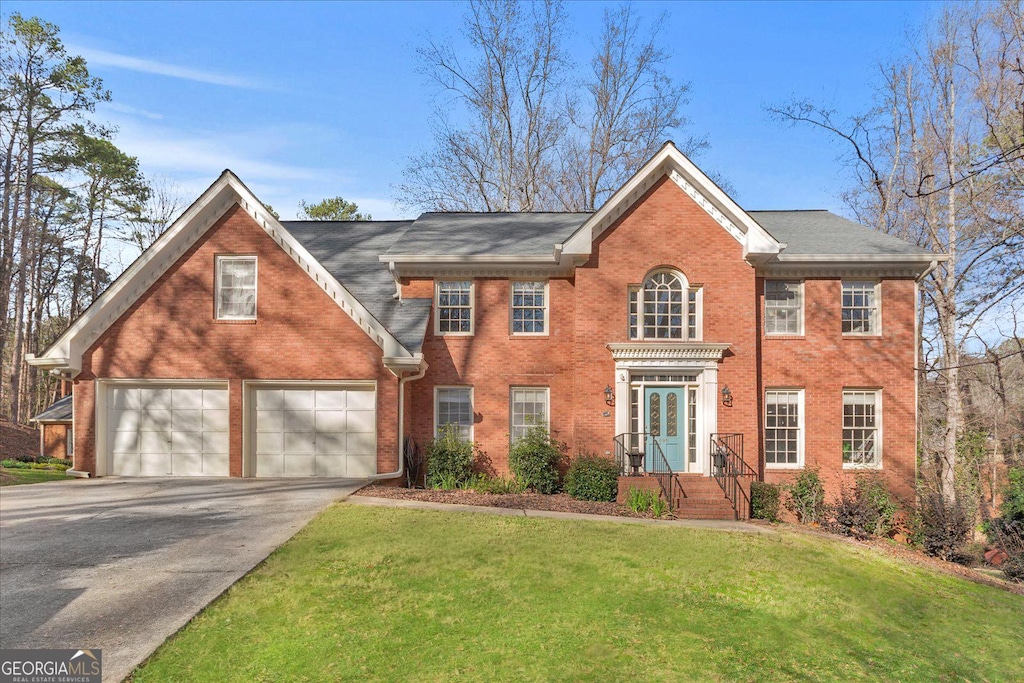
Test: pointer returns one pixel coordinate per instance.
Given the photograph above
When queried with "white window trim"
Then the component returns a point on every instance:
(511, 401)
(221, 258)
(547, 309)
(687, 288)
(803, 308)
(799, 464)
(876, 317)
(472, 404)
(877, 465)
(437, 310)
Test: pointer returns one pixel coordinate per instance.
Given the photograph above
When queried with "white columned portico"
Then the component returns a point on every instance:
(700, 358)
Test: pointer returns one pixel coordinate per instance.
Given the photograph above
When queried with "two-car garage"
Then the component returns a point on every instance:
(178, 428)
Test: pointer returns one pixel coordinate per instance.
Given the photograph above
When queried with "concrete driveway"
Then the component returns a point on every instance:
(121, 564)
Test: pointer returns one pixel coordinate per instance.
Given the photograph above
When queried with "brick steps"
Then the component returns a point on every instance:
(701, 497)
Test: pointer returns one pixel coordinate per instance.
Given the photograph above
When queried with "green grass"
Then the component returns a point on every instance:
(13, 477)
(403, 595)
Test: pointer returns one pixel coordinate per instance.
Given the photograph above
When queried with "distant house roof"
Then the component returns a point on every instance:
(60, 411)
(349, 251)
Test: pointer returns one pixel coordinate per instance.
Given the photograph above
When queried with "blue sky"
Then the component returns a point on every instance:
(310, 100)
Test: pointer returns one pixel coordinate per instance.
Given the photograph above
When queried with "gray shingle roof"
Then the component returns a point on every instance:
(497, 234)
(60, 411)
(349, 251)
(823, 232)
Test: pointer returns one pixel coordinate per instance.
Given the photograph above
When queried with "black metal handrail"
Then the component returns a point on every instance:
(636, 451)
(729, 469)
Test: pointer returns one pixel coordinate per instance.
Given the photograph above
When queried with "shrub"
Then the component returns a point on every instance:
(943, 528)
(806, 497)
(449, 459)
(863, 510)
(592, 477)
(764, 500)
(534, 460)
(482, 483)
(645, 500)
(1007, 530)
(58, 461)
(9, 462)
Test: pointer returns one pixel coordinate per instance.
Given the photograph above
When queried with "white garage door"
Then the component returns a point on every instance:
(167, 430)
(323, 432)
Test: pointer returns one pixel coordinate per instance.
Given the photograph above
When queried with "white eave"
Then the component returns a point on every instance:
(758, 244)
(65, 354)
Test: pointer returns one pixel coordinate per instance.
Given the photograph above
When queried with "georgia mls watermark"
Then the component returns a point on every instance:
(51, 666)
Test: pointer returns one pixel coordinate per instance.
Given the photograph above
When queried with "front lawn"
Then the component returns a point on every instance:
(12, 477)
(388, 594)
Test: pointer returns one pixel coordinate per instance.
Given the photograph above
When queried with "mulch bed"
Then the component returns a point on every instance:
(559, 502)
(16, 440)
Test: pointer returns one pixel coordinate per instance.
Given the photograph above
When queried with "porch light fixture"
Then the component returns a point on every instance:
(609, 395)
(726, 396)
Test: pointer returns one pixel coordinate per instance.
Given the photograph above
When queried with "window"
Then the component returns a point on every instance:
(454, 308)
(861, 427)
(860, 308)
(69, 443)
(665, 307)
(454, 405)
(236, 287)
(529, 307)
(783, 428)
(783, 307)
(529, 409)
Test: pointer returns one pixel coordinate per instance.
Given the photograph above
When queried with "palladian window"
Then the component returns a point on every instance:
(665, 307)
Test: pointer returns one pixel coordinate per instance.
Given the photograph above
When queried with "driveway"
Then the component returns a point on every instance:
(121, 564)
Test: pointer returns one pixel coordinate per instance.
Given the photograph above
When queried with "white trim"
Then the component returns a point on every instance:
(437, 309)
(803, 307)
(800, 457)
(511, 401)
(101, 386)
(143, 273)
(547, 308)
(664, 352)
(472, 404)
(877, 465)
(222, 258)
(248, 403)
(876, 315)
(758, 244)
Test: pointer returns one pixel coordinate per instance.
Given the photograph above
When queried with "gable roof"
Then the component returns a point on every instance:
(821, 232)
(478, 234)
(60, 411)
(65, 354)
(349, 251)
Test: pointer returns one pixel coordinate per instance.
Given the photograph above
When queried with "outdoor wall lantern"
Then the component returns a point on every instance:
(609, 395)
(726, 396)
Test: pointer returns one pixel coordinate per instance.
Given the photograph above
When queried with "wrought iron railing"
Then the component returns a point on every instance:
(639, 453)
(731, 471)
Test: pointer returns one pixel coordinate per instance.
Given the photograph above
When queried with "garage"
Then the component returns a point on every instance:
(326, 431)
(167, 430)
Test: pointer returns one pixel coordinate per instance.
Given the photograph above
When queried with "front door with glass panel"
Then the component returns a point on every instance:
(666, 422)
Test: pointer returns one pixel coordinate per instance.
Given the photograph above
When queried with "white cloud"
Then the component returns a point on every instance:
(133, 111)
(149, 66)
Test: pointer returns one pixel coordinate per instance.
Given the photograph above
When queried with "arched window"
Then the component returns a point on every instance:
(664, 307)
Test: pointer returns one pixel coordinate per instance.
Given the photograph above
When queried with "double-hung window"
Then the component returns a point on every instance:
(665, 307)
(236, 288)
(529, 308)
(454, 307)
(783, 307)
(454, 406)
(783, 428)
(861, 428)
(860, 308)
(529, 409)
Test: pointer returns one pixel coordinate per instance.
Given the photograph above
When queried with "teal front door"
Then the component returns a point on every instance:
(665, 422)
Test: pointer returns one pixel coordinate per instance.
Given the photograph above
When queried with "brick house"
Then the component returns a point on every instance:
(671, 324)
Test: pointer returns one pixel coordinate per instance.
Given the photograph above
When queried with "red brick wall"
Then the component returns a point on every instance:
(170, 333)
(55, 443)
(824, 362)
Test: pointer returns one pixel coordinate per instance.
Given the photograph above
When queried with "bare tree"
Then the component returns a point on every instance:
(517, 130)
(937, 161)
(165, 203)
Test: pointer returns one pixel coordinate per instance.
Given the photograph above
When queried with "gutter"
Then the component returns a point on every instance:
(421, 371)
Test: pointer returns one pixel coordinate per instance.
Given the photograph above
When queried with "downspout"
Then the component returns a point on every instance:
(401, 424)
